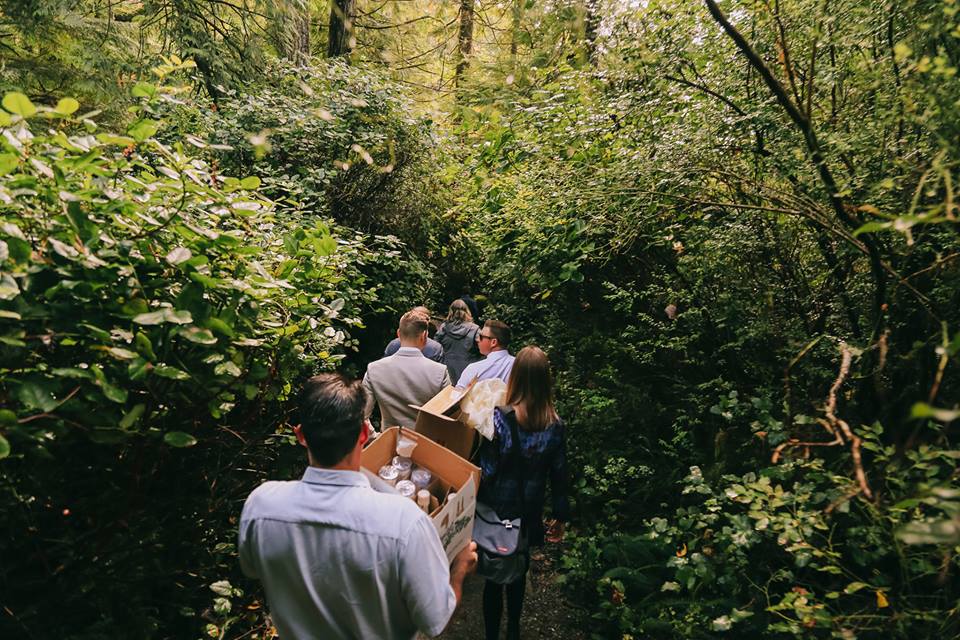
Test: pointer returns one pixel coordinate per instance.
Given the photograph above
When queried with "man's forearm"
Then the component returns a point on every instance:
(457, 576)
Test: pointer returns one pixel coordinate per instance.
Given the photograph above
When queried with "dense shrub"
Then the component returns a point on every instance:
(659, 227)
(342, 142)
(155, 317)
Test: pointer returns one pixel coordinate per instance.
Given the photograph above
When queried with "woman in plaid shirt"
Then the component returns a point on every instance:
(543, 455)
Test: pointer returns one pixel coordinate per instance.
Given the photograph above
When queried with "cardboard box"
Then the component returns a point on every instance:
(439, 420)
(453, 520)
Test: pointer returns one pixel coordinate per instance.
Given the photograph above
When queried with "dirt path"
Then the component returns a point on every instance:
(546, 611)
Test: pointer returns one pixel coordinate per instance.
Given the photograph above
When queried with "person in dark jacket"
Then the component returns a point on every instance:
(529, 405)
(458, 337)
(472, 305)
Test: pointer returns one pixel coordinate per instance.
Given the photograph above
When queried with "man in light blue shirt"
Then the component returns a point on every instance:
(493, 341)
(336, 558)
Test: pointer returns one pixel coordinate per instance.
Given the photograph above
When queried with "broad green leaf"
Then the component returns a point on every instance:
(923, 410)
(151, 318)
(853, 587)
(73, 373)
(7, 417)
(178, 255)
(135, 306)
(14, 339)
(871, 227)
(222, 588)
(121, 354)
(131, 417)
(8, 162)
(179, 439)
(177, 316)
(940, 532)
(110, 138)
(206, 281)
(113, 392)
(5, 119)
(144, 346)
(325, 246)
(143, 90)
(66, 106)
(36, 395)
(98, 333)
(250, 183)
(8, 287)
(12, 230)
(143, 129)
(138, 368)
(220, 327)
(63, 249)
(20, 251)
(4, 448)
(228, 368)
(198, 335)
(173, 373)
(16, 102)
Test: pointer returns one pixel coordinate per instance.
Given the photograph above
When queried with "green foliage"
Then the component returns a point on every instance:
(155, 317)
(659, 225)
(93, 47)
(619, 180)
(782, 551)
(334, 141)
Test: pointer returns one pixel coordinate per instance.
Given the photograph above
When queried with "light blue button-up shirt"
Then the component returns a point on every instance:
(497, 364)
(339, 560)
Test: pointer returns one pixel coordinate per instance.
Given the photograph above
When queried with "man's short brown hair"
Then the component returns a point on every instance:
(331, 416)
(412, 324)
(500, 331)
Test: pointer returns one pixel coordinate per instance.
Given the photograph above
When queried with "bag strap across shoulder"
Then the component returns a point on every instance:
(516, 457)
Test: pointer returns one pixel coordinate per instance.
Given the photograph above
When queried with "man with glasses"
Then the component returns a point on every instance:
(492, 340)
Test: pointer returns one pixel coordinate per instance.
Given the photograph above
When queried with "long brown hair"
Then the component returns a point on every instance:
(459, 312)
(531, 388)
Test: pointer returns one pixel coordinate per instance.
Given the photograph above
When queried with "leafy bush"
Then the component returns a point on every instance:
(786, 551)
(342, 143)
(155, 317)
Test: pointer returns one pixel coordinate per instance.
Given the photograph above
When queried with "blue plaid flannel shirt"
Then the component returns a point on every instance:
(544, 456)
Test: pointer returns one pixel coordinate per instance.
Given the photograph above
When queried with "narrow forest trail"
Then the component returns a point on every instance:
(546, 611)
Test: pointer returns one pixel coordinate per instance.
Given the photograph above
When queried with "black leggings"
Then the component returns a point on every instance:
(493, 607)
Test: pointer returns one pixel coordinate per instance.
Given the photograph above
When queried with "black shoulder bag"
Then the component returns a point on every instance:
(502, 547)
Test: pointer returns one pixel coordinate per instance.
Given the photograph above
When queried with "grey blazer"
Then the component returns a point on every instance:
(395, 382)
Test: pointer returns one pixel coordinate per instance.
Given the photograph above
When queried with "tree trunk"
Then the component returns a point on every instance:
(300, 38)
(515, 30)
(805, 126)
(465, 40)
(591, 23)
(341, 41)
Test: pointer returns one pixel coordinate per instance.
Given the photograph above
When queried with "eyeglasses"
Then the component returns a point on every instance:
(480, 337)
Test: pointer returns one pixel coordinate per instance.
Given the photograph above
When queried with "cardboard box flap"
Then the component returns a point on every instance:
(445, 401)
(432, 415)
(453, 469)
(448, 433)
(438, 420)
